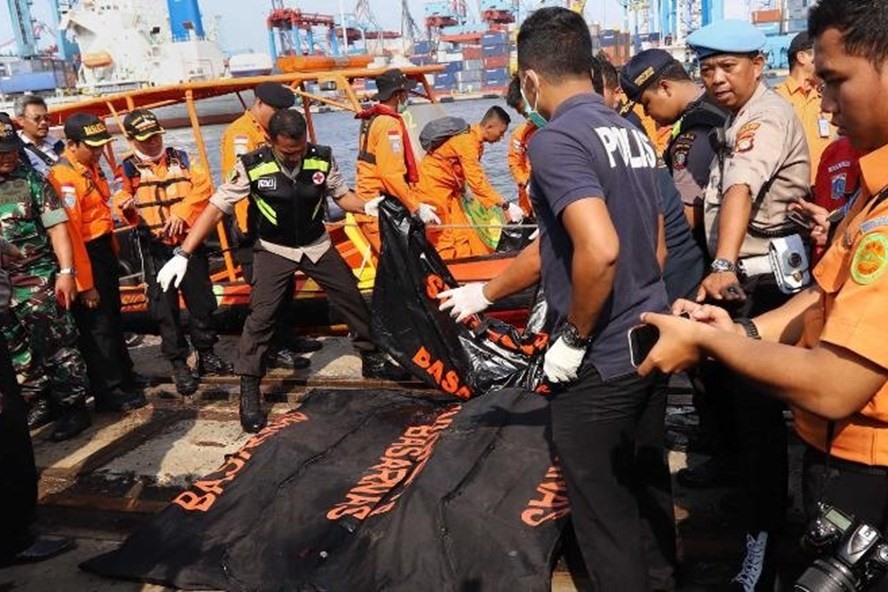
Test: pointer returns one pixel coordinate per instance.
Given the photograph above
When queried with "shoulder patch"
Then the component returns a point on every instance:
(745, 140)
(680, 150)
(870, 259)
(68, 195)
(394, 138)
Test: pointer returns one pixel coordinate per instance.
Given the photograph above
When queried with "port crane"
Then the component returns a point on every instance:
(28, 31)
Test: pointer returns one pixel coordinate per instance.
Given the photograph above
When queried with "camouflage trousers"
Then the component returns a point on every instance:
(42, 341)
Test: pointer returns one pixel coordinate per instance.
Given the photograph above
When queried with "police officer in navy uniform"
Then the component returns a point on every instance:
(287, 183)
(660, 84)
(599, 255)
(763, 166)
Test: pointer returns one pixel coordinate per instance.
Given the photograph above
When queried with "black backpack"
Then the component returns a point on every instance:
(438, 131)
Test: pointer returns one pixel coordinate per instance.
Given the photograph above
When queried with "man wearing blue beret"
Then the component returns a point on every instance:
(762, 166)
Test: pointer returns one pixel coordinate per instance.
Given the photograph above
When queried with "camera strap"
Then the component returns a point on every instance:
(827, 468)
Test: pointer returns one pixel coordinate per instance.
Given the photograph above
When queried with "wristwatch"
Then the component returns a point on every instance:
(66, 271)
(572, 337)
(749, 327)
(722, 266)
(181, 252)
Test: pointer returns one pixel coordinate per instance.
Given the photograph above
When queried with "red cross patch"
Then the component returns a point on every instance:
(318, 178)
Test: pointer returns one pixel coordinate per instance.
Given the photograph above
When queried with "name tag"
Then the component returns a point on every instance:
(823, 125)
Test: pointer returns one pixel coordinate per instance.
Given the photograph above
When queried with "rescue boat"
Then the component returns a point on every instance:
(232, 292)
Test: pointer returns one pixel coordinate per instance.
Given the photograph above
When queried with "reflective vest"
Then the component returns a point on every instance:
(157, 187)
(285, 211)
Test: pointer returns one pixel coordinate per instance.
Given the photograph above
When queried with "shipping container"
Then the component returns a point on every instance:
(468, 76)
(472, 52)
(771, 15)
(493, 62)
(447, 57)
(495, 50)
(473, 64)
(422, 47)
(495, 38)
(453, 67)
(32, 82)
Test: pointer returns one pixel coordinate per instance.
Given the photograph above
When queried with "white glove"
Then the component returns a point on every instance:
(562, 362)
(172, 272)
(371, 208)
(464, 301)
(427, 214)
(514, 213)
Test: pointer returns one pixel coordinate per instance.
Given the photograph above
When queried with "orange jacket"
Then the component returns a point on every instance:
(818, 131)
(245, 134)
(170, 186)
(383, 169)
(443, 177)
(445, 173)
(519, 163)
(86, 196)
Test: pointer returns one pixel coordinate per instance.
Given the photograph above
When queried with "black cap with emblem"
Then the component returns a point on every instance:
(87, 128)
(275, 95)
(643, 70)
(9, 140)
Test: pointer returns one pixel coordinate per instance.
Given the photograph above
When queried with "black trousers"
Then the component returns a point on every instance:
(272, 278)
(609, 437)
(196, 289)
(754, 420)
(108, 362)
(18, 473)
(854, 488)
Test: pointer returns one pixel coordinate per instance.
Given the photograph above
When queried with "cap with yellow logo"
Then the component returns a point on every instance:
(87, 128)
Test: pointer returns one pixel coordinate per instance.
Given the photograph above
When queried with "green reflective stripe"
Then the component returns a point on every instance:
(265, 209)
(315, 164)
(266, 168)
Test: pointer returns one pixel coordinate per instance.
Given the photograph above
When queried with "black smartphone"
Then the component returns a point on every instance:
(642, 339)
(800, 219)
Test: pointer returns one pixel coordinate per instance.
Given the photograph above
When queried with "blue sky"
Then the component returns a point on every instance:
(242, 31)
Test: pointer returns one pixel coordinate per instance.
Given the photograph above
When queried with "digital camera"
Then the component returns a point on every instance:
(852, 555)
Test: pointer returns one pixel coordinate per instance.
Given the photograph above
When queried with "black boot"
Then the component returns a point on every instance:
(186, 383)
(375, 365)
(305, 345)
(280, 357)
(119, 401)
(73, 420)
(40, 414)
(251, 417)
(210, 364)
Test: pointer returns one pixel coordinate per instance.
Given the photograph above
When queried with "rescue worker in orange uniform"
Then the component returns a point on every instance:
(519, 163)
(386, 162)
(823, 352)
(163, 193)
(247, 133)
(801, 89)
(449, 169)
(80, 183)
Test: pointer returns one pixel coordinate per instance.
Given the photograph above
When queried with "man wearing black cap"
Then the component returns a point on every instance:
(163, 194)
(386, 162)
(38, 328)
(660, 84)
(79, 181)
(245, 134)
(286, 185)
(802, 89)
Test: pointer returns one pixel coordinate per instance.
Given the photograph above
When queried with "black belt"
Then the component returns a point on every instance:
(847, 465)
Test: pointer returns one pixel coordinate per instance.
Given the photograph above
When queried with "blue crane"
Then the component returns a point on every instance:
(24, 28)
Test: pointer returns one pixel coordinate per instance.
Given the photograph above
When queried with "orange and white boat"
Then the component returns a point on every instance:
(231, 290)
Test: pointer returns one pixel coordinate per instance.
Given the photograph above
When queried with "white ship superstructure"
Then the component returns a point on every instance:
(128, 44)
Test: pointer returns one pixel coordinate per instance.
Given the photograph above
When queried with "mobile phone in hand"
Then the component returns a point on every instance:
(642, 339)
(800, 219)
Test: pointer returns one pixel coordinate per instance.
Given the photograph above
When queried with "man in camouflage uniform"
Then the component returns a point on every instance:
(40, 333)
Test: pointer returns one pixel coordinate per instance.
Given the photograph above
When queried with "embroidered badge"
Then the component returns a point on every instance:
(394, 139)
(870, 259)
(746, 138)
(838, 185)
(270, 184)
(69, 196)
(318, 178)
